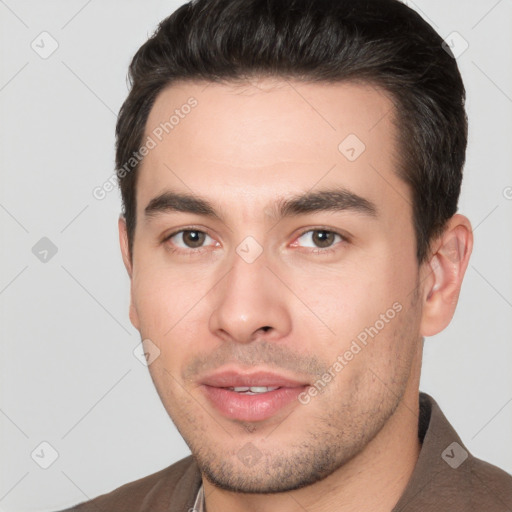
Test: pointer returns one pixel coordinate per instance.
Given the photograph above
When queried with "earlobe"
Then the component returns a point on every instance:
(444, 274)
(133, 315)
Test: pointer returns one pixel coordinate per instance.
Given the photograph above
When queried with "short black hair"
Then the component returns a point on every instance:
(378, 42)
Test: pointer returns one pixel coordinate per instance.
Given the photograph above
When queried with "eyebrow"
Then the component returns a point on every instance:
(332, 200)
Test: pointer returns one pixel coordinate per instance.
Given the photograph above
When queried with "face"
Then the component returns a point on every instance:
(274, 248)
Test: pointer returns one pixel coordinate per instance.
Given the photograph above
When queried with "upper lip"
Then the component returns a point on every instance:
(238, 378)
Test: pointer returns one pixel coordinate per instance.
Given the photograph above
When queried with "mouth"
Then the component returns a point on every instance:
(253, 390)
(253, 396)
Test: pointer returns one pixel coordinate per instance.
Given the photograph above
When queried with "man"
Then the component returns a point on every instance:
(290, 174)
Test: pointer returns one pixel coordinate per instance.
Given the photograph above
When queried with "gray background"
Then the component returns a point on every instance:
(68, 373)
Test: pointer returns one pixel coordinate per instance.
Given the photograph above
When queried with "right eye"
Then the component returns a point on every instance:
(187, 240)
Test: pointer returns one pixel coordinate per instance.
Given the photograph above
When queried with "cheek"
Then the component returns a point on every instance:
(346, 297)
(362, 300)
(173, 307)
(166, 299)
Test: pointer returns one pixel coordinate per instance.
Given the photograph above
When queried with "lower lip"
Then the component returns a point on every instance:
(240, 406)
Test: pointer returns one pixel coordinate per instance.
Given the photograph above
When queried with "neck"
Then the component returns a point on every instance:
(373, 480)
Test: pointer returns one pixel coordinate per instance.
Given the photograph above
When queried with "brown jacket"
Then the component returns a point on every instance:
(446, 478)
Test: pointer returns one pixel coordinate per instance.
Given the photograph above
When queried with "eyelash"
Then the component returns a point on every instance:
(193, 252)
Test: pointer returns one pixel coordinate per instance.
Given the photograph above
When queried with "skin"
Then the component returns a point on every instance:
(242, 148)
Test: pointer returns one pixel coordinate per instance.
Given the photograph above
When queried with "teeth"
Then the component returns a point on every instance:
(252, 390)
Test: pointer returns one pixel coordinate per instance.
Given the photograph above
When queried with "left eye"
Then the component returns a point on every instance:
(320, 238)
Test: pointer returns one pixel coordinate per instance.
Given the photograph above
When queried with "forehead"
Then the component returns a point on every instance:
(246, 144)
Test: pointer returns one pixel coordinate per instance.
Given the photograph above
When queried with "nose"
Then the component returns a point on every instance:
(250, 303)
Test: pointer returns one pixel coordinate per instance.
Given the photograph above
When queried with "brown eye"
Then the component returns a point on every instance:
(193, 239)
(319, 238)
(188, 239)
(323, 238)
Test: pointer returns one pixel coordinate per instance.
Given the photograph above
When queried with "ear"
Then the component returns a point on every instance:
(123, 242)
(443, 275)
(125, 251)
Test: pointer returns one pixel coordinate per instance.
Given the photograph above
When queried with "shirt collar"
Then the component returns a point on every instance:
(199, 503)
